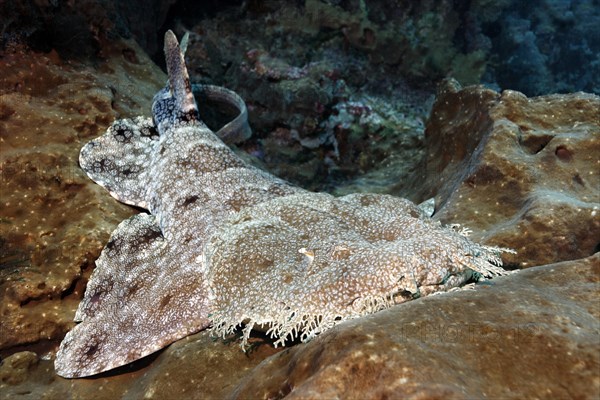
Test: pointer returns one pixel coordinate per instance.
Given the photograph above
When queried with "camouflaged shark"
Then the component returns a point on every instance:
(225, 244)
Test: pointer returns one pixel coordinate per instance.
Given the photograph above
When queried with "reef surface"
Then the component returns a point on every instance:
(520, 171)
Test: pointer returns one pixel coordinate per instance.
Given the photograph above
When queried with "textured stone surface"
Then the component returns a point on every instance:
(83, 28)
(226, 244)
(543, 46)
(521, 172)
(300, 65)
(54, 220)
(315, 102)
(197, 367)
(532, 334)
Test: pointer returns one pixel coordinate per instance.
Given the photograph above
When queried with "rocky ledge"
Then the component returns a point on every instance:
(521, 172)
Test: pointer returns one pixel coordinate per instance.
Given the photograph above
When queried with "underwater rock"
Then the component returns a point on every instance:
(15, 369)
(516, 337)
(54, 222)
(545, 46)
(522, 336)
(79, 30)
(196, 367)
(520, 172)
(227, 244)
(331, 52)
(322, 113)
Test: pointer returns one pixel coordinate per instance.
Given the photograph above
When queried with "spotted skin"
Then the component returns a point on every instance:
(225, 244)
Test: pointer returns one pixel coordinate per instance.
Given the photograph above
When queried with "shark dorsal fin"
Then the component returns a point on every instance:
(179, 80)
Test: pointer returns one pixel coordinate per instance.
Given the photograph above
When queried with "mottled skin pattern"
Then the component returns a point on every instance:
(227, 244)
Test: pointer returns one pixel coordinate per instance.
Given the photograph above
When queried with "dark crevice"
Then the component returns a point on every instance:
(77, 287)
(71, 289)
(39, 347)
(36, 299)
(188, 13)
(131, 367)
(533, 144)
(511, 267)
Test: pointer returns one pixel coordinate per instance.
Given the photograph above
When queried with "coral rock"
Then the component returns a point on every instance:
(54, 221)
(526, 335)
(521, 172)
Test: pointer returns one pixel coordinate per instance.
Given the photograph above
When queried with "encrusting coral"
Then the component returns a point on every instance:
(227, 244)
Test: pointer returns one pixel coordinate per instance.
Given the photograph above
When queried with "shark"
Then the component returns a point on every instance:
(224, 245)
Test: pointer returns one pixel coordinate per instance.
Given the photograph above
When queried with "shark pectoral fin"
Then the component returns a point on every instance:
(120, 159)
(141, 297)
